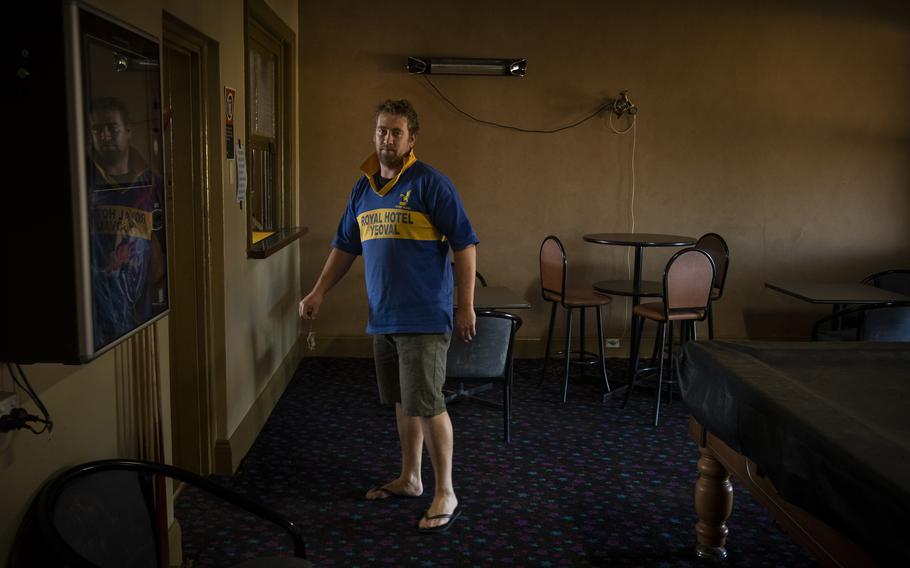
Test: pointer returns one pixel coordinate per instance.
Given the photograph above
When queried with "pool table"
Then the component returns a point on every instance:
(818, 432)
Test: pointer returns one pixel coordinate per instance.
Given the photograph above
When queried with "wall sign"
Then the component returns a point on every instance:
(241, 174)
(229, 95)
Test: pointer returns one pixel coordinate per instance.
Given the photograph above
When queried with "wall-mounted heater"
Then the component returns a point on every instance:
(467, 66)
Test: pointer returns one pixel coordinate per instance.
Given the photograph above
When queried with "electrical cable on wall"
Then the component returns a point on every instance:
(18, 417)
(605, 106)
(632, 192)
(632, 127)
(619, 107)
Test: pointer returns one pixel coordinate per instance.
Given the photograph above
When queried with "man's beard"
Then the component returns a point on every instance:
(111, 157)
(390, 160)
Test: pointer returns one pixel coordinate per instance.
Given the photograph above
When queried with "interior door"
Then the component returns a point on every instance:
(184, 153)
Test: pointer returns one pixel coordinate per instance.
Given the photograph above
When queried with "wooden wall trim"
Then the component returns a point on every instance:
(230, 452)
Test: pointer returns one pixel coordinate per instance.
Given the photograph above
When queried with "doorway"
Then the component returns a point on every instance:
(192, 148)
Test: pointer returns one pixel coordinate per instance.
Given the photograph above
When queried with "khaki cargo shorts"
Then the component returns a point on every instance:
(411, 369)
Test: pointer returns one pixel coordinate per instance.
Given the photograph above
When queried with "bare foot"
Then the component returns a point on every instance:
(397, 488)
(442, 505)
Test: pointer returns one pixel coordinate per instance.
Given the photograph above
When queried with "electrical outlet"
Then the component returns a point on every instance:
(8, 401)
(612, 343)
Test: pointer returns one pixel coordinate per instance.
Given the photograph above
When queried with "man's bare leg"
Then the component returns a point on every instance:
(437, 431)
(410, 435)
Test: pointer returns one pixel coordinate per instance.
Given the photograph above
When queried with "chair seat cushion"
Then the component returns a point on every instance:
(583, 297)
(655, 311)
(580, 297)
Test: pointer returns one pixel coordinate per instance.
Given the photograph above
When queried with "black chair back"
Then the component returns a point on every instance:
(105, 518)
(888, 323)
(488, 355)
(103, 513)
(897, 280)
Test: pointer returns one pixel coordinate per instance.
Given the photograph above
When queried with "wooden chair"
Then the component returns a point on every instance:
(554, 267)
(687, 286)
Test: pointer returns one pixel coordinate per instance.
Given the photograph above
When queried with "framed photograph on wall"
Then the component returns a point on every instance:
(121, 91)
(88, 179)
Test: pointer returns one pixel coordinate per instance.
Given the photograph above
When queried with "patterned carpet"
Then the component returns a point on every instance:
(582, 484)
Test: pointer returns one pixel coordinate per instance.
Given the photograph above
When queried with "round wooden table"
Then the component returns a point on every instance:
(636, 288)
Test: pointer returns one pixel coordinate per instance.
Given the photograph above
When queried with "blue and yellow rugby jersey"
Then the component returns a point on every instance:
(404, 230)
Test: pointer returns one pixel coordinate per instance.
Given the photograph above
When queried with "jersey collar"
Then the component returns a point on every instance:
(370, 168)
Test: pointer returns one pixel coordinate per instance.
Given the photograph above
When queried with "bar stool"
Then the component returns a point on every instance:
(688, 280)
(554, 267)
(717, 248)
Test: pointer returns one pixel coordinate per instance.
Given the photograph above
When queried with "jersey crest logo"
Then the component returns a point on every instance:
(404, 199)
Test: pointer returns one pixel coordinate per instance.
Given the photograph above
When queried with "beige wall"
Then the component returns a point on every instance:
(260, 322)
(260, 316)
(82, 403)
(260, 304)
(783, 126)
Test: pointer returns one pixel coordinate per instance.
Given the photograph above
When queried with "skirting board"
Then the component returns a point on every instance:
(229, 453)
(525, 347)
(175, 544)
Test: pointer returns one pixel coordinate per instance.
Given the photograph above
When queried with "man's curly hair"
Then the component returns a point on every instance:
(403, 108)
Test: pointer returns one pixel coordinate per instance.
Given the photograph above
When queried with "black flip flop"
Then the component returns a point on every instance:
(444, 526)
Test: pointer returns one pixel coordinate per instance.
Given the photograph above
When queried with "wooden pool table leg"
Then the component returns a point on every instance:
(713, 503)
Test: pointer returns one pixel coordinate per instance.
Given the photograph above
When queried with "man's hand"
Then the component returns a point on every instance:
(309, 305)
(336, 266)
(465, 321)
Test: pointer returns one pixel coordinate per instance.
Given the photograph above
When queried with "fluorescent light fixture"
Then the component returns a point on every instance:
(466, 66)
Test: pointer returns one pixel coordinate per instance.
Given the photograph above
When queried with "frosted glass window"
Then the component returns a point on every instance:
(262, 69)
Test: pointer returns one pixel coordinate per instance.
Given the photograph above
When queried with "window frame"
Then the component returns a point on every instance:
(268, 32)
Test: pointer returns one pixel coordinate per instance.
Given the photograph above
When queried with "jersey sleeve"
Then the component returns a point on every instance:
(449, 216)
(347, 237)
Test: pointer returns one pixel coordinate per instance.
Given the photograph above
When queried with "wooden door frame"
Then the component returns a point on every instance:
(208, 217)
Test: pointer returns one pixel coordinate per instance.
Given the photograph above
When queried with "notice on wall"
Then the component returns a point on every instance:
(229, 95)
(241, 173)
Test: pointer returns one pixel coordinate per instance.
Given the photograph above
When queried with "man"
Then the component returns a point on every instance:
(126, 199)
(402, 217)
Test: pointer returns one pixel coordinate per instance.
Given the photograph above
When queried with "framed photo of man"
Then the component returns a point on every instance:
(124, 183)
(88, 178)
